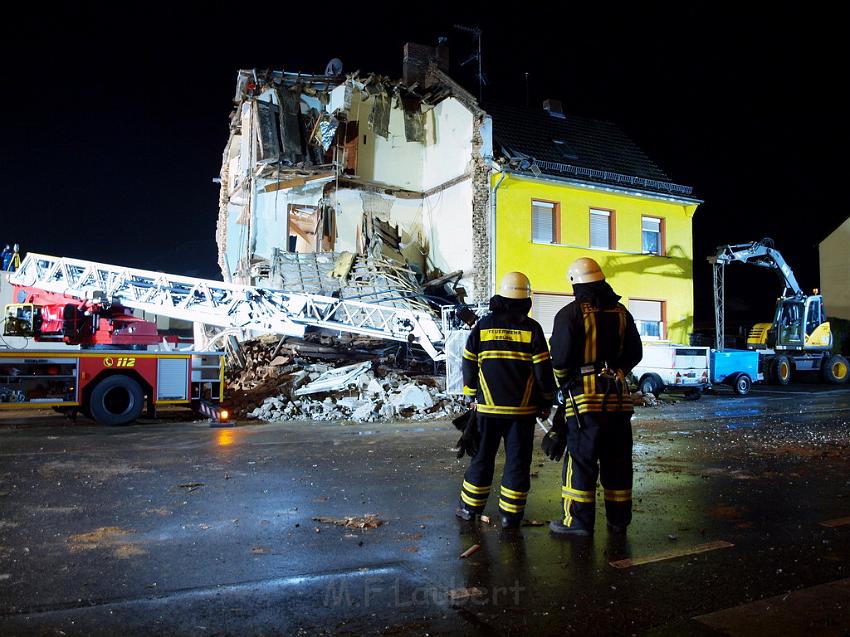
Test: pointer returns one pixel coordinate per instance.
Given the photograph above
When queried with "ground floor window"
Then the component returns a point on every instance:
(544, 307)
(649, 317)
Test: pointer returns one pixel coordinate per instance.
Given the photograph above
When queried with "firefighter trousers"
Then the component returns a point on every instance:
(518, 435)
(601, 448)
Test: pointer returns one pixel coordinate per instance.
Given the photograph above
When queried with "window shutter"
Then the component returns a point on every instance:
(544, 307)
(542, 222)
(600, 234)
(645, 310)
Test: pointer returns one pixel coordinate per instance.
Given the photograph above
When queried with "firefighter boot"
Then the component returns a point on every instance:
(557, 527)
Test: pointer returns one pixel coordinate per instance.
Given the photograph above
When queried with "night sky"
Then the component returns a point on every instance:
(115, 119)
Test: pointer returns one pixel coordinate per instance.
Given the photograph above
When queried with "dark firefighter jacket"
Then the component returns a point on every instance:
(506, 364)
(593, 331)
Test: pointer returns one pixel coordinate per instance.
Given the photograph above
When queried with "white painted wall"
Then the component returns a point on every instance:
(835, 271)
(447, 228)
(448, 128)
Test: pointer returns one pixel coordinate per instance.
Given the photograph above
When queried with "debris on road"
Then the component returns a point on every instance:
(191, 486)
(472, 549)
(368, 521)
(464, 593)
(533, 523)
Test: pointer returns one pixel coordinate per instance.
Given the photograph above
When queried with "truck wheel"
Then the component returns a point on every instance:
(116, 400)
(742, 384)
(835, 370)
(780, 370)
(651, 384)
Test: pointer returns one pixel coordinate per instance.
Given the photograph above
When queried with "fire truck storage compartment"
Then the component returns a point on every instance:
(171, 377)
(42, 381)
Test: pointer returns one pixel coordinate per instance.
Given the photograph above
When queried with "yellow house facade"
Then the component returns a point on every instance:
(640, 232)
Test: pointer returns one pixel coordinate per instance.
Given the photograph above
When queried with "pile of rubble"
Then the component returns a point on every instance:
(276, 384)
(355, 392)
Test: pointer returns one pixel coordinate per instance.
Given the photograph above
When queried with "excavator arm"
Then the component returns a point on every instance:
(762, 254)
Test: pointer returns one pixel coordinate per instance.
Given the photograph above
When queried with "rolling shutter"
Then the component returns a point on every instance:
(542, 222)
(544, 307)
(600, 229)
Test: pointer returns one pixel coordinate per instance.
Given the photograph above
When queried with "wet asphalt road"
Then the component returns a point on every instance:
(176, 528)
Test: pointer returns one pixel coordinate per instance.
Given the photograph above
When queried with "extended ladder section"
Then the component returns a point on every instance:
(226, 305)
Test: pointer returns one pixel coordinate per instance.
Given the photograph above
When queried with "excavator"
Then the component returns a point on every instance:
(799, 338)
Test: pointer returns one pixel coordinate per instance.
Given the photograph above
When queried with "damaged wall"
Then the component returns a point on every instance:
(411, 162)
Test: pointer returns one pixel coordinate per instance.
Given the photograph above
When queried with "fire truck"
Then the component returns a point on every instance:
(123, 365)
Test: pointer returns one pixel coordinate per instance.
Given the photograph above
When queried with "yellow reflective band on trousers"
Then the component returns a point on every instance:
(473, 502)
(476, 490)
(510, 508)
(515, 495)
(568, 518)
(577, 495)
(618, 495)
(469, 355)
(561, 375)
(503, 334)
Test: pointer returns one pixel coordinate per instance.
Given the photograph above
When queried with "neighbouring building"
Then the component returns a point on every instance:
(570, 187)
(353, 185)
(835, 271)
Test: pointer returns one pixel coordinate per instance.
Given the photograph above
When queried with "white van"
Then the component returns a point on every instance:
(681, 368)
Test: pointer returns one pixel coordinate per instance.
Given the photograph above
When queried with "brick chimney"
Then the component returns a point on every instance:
(554, 107)
(418, 56)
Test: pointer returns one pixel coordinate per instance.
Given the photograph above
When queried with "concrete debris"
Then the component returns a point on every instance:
(334, 379)
(361, 392)
(644, 400)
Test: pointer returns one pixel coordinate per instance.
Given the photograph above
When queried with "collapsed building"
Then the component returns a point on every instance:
(355, 186)
(409, 193)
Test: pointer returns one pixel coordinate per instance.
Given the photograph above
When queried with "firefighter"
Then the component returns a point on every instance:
(594, 345)
(508, 372)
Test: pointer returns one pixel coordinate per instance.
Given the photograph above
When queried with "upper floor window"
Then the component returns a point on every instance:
(652, 235)
(601, 229)
(545, 222)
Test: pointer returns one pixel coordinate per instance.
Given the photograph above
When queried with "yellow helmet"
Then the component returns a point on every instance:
(585, 270)
(515, 285)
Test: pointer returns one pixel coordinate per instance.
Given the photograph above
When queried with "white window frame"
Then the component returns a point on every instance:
(657, 231)
(553, 209)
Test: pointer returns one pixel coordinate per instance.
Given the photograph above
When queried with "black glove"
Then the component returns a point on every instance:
(469, 442)
(460, 421)
(554, 443)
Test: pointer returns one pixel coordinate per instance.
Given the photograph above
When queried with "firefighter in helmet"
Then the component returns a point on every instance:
(594, 345)
(507, 370)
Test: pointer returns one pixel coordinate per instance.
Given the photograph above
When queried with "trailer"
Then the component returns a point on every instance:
(737, 368)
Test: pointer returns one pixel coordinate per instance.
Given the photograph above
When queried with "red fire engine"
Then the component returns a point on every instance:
(115, 375)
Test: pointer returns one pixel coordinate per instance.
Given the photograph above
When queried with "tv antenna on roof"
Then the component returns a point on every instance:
(482, 80)
(334, 68)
